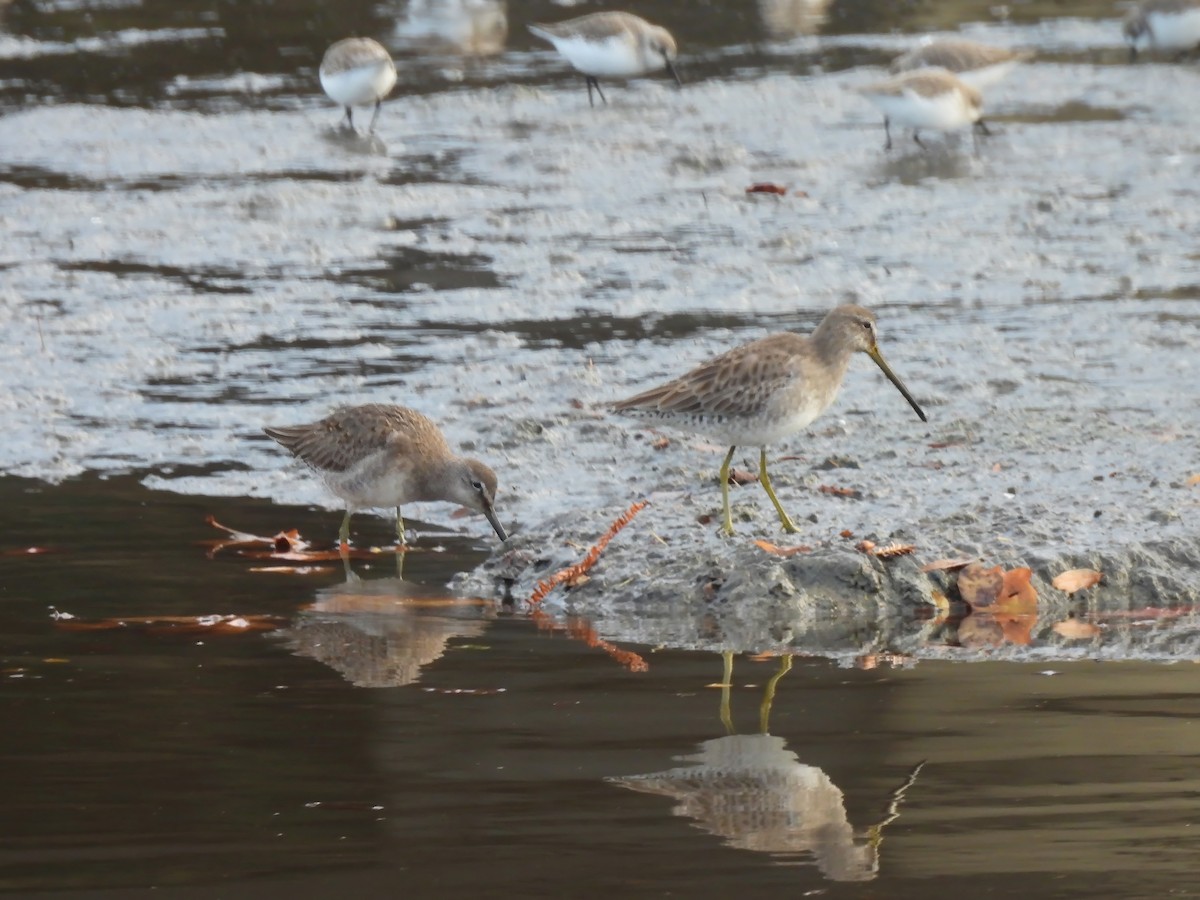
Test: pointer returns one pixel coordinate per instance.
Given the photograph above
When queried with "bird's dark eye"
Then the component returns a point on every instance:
(477, 485)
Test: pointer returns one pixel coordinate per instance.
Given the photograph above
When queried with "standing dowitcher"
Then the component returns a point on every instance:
(1165, 24)
(611, 45)
(382, 455)
(761, 392)
(926, 98)
(358, 72)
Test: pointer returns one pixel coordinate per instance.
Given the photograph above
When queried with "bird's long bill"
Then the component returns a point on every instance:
(894, 379)
(671, 69)
(491, 517)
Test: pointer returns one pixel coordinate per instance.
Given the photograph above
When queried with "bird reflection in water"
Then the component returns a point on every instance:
(753, 792)
(383, 632)
(461, 27)
(786, 19)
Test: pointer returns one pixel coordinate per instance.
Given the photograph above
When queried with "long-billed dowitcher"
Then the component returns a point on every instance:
(358, 72)
(981, 65)
(382, 455)
(926, 98)
(761, 392)
(1164, 24)
(611, 45)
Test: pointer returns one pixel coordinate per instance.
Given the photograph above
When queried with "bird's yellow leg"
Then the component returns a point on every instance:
(399, 527)
(344, 531)
(788, 525)
(764, 708)
(726, 684)
(728, 523)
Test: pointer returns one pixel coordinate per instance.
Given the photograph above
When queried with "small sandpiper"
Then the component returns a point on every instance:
(379, 455)
(926, 98)
(764, 391)
(358, 72)
(1164, 24)
(980, 65)
(611, 45)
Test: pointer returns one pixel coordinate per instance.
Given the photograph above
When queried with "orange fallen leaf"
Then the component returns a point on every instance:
(1194, 480)
(847, 534)
(661, 443)
(852, 493)
(1076, 580)
(1076, 629)
(939, 565)
(783, 551)
(766, 187)
(742, 476)
(1018, 596)
(865, 546)
(1017, 629)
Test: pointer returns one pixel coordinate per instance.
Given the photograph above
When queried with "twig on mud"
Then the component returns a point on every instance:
(573, 572)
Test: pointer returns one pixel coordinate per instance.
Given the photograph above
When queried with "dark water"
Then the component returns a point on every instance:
(210, 765)
(382, 738)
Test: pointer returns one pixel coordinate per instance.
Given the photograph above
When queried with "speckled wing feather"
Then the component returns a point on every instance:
(736, 384)
(957, 56)
(598, 26)
(346, 436)
(925, 83)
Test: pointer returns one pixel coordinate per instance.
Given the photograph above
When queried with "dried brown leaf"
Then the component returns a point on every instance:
(940, 565)
(783, 551)
(1076, 629)
(893, 550)
(1076, 580)
(742, 476)
(978, 586)
(766, 187)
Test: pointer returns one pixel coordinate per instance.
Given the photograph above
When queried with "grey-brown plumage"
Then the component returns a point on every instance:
(764, 391)
(380, 455)
(976, 64)
(611, 45)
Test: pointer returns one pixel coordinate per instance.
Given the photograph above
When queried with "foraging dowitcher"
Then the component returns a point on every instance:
(761, 392)
(358, 72)
(1165, 24)
(980, 65)
(382, 455)
(926, 98)
(611, 45)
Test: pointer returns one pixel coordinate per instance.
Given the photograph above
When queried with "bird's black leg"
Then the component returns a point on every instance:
(917, 138)
(593, 83)
(349, 119)
(887, 131)
(378, 104)
(981, 128)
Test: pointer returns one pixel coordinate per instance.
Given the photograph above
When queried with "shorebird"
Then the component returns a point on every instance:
(380, 455)
(358, 72)
(764, 391)
(926, 98)
(611, 45)
(976, 64)
(1165, 24)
